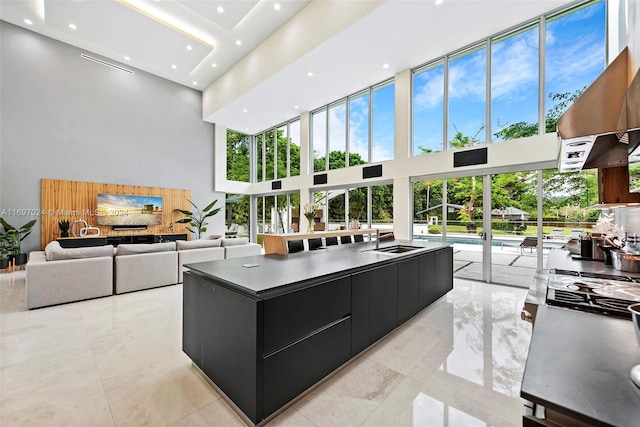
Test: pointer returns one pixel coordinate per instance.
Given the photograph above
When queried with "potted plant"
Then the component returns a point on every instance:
(356, 207)
(310, 210)
(196, 219)
(15, 236)
(64, 228)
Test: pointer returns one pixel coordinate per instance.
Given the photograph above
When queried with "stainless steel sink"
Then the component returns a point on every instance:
(397, 249)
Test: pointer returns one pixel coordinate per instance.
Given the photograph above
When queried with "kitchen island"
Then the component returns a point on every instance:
(578, 370)
(264, 329)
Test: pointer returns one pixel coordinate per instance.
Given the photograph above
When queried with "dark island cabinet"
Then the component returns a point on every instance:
(360, 309)
(228, 355)
(263, 352)
(408, 289)
(426, 286)
(383, 301)
(443, 271)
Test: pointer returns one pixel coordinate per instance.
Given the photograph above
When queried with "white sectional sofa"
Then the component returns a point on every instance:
(192, 251)
(57, 275)
(239, 247)
(145, 266)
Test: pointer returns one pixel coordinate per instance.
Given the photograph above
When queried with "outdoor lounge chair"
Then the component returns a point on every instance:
(529, 242)
(556, 233)
(576, 233)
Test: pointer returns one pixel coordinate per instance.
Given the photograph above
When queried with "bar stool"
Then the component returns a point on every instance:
(331, 241)
(295, 246)
(314, 244)
(345, 239)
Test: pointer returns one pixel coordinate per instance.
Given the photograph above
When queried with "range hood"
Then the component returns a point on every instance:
(594, 130)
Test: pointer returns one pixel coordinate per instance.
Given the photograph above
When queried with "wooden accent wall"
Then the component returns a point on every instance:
(72, 200)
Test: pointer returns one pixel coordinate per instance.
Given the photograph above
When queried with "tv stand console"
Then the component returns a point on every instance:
(80, 242)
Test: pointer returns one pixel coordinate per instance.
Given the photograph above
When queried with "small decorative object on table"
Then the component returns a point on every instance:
(64, 228)
(310, 210)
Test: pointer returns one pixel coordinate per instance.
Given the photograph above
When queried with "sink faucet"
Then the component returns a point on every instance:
(383, 236)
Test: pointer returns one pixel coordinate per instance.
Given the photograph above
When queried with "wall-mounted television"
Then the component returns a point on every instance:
(127, 210)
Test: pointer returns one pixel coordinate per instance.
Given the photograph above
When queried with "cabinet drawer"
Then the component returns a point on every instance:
(292, 370)
(290, 317)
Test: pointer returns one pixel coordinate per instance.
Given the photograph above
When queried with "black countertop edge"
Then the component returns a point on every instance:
(351, 249)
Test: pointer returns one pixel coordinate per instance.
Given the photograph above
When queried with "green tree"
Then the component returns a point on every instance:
(237, 156)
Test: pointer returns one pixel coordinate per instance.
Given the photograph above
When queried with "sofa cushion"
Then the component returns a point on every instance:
(51, 246)
(234, 242)
(144, 248)
(54, 253)
(197, 244)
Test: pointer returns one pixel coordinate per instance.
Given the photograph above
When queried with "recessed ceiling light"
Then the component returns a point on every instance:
(220, 9)
(189, 47)
(73, 26)
(238, 42)
(385, 65)
(174, 66)
(246, 129)
(295, 107)
(310, 74)
(276, 6)
(439, 2)
(214, 65)
(244, 110)
(126, 58)
(195, 83)
(28, 21)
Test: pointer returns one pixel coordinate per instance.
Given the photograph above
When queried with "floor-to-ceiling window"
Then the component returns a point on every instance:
(294, 148)
(467, 98)
(428, 109)
(515, 84)
(337, 135)
(383, 122)
(356, 130)
(575, 54)
(359, 128)
(319, 140)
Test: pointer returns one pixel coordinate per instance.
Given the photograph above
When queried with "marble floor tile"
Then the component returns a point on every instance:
(118, 361)
(85, 406)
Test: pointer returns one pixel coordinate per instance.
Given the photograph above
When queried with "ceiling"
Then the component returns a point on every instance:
(154, 36)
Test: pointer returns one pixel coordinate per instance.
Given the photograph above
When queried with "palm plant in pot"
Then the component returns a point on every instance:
(14, 236)
(196, 219)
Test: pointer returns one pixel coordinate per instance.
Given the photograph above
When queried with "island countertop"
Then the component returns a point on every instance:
(579, 364)
(263, 276)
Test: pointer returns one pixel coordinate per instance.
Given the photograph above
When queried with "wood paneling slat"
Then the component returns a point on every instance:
(73, 200)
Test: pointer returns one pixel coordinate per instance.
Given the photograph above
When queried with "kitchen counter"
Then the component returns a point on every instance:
(561, 259)
(578, 366)
(264, 329)
(274, 274)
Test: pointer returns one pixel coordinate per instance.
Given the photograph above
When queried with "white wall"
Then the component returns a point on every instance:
(63, 117)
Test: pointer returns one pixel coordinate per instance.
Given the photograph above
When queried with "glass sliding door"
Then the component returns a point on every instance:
(516, 251)
(464, 225)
